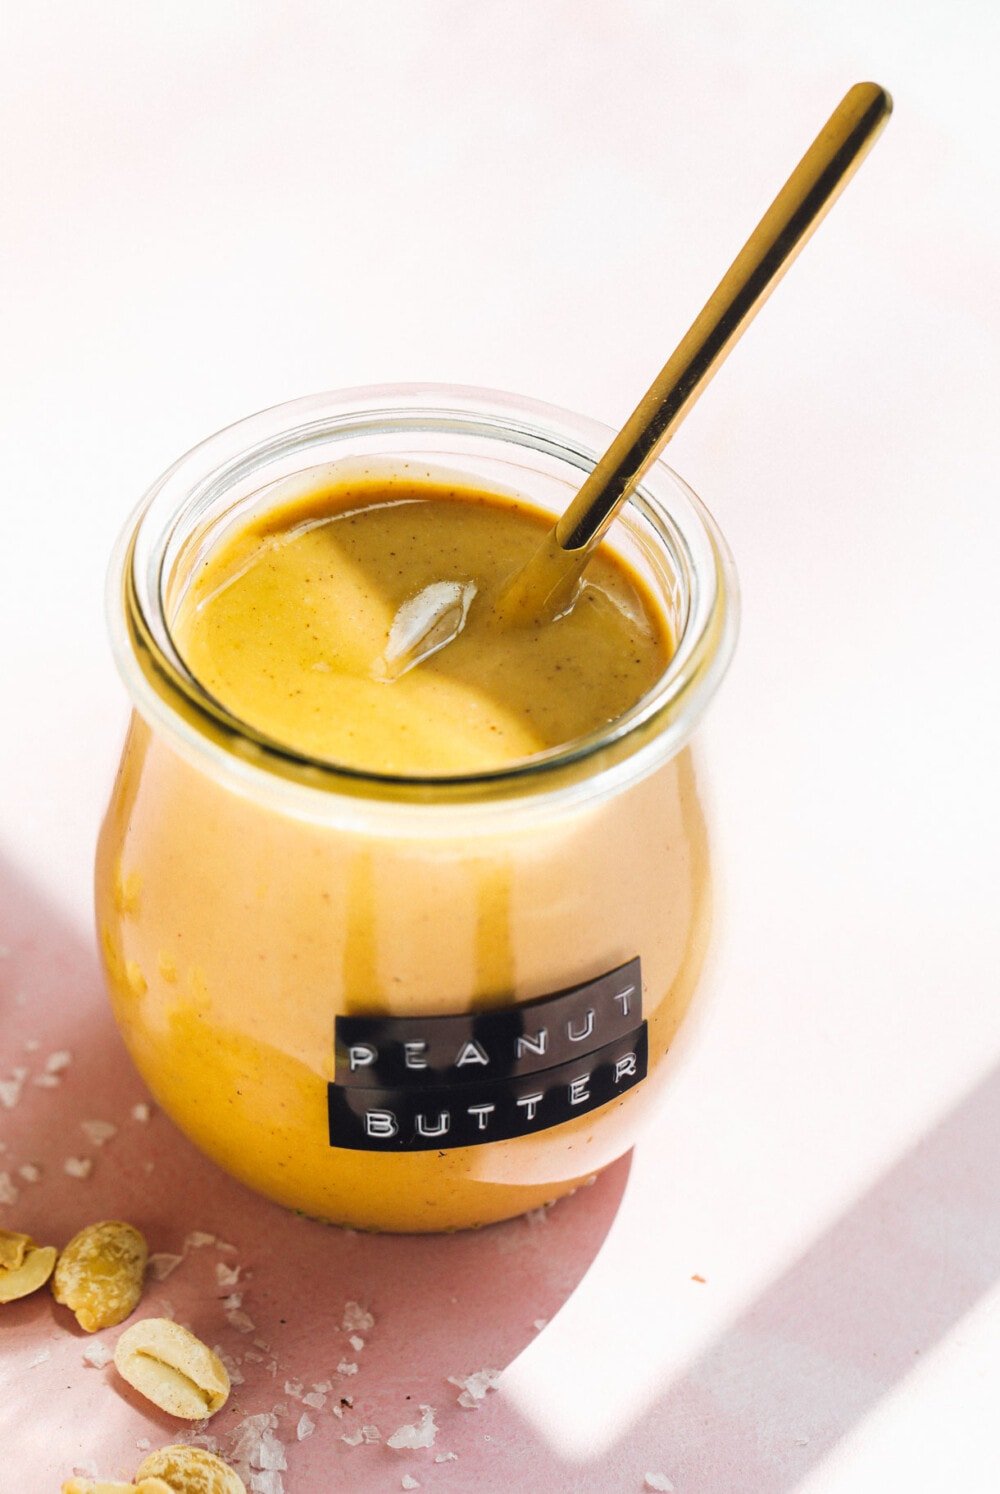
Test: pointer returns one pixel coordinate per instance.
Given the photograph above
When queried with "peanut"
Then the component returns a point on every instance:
(101, 1486)
(99, 1275)
(191, 1470)
(172, 1368)
(12, 1248)
(32, 1272)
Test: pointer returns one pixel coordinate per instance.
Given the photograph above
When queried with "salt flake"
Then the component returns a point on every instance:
(30, 1173)
(409, 1482)
(196, 1239)
(356, 1319)
(232, 1365)
(658, 1481)
(371, 1434)
(446, 1458)
(240, 1321)
(226, 1276)
(305, 1428)
(345, 1367)
(475, 1386)
(266, 1483)
(98, 1355)
(140, 1112)
(294, 1388)
(10, 1089)
(78, 1167)
(8, 1192)
(353, 1439)
(356, 1342)
(162, 1264)
(420, 1435)
(271, 1453)
(98, 1132)
(56, 1062)
(316, 1399)
(46, 1081)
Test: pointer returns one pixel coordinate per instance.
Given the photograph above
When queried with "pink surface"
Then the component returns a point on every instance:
(815, 1351)
(443, 1307)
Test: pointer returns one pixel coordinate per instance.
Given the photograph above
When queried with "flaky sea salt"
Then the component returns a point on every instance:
(98, 1355)
(446, 1458)
(241, 1321)
(162, 1264)
(271, 1453)
(247, 1437)
(226, 1276)
(316, 1399)
(197, 1239)
(8, 1192)
(47, 1081)
(140, 1112)
(540, 1323)
(57, 1062)
(98, 1132)
(408, 1482)
(475, 1386)
(31, 1045)
(294, 1388)
(371, 1434)
(345, 1367)
(78, 1167)
(29, 1172)
(356, 1319)
(356, 1342)
(420, 1435)
(658, 1481)
(353, 1439)
(235, 1299)
(305, 1428)
(232, 1366)
(266, 1482)
(323, 1386)
(10, 1089)
(143, 1444)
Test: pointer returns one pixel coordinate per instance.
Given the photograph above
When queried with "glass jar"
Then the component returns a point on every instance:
(268, 921)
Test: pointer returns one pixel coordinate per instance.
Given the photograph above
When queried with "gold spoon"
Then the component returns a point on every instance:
(546, 584)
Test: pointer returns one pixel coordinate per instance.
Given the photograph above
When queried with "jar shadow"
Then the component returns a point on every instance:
(346, 1329)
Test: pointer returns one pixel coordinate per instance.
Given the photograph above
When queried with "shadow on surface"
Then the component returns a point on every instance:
(443, 1305)
(818, 1350)
(764, 1404)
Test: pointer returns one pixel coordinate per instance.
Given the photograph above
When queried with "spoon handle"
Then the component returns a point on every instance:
(813, 186)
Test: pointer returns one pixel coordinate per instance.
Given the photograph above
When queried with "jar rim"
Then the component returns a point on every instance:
(171, 698)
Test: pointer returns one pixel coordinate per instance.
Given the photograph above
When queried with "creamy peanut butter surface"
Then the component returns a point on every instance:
(299, 626)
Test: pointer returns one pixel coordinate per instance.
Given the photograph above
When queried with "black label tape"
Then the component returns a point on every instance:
(502, 1043)
(430, 1083)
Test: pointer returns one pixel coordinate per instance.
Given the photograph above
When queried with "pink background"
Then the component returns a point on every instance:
(210, 208)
